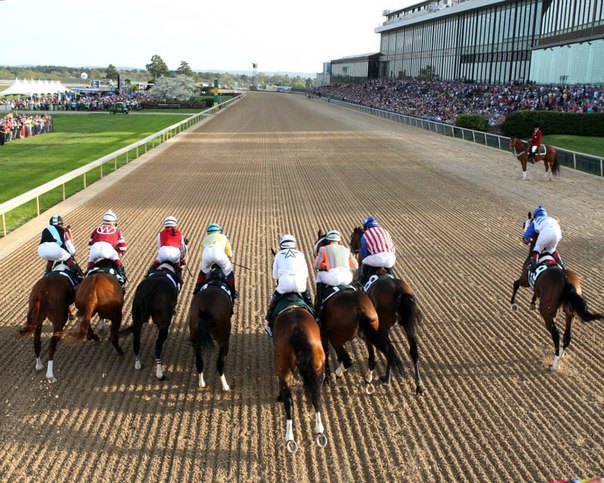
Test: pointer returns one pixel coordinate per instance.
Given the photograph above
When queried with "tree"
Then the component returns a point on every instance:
(111, 72)
(172, 89)
(185, 69)
(157, 68)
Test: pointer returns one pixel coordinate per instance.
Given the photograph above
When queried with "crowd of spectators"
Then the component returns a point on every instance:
(72, 102)
(17, 126)
(444, 101)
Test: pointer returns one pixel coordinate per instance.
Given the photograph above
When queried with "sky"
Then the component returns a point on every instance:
(280, 36)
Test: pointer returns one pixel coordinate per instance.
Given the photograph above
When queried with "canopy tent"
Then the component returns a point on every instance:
(33, 88)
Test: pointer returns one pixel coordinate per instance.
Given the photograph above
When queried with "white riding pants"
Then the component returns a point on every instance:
(292, 283)
(102, 250)
(335, 276)
(215, 255)
(378, 260)
(548, 239)
(51, 252)
(168, 254)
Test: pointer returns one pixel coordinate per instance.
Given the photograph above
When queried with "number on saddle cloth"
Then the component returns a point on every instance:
(546, 262)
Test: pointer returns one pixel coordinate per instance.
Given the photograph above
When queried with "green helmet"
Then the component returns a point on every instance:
(213, 228)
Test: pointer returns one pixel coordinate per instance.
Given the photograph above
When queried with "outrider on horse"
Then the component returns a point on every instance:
(394, 301)
(210, 319)
(50, 299)
(345, 312)
(556, 288)
(546, 153)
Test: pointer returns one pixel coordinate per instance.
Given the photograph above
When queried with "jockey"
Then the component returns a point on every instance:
(377, 248)
(548, 236)
(171, 246)
(334, 264)
(291, 272)
(108, 242)
(56, 244)
(216, 250)
(535, 142)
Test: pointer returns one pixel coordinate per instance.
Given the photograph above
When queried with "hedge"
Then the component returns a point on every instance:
(476, 122)
(520, 123)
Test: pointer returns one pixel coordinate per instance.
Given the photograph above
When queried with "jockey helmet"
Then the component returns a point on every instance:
(287, 241)
(213, 228)
(170, 221)
(109, 217)
(56, 220)
(370, 222)
(333, 235)
(539, 212)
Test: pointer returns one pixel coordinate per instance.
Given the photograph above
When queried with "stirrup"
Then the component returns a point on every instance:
(268, 331)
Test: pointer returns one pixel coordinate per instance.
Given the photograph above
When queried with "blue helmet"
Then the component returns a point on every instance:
(213, 228)
(370, 222)
(539, 212)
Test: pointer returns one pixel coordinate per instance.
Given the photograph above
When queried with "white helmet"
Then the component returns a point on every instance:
(109, 217)
(287, 241)
(333, 235)
(170, 221)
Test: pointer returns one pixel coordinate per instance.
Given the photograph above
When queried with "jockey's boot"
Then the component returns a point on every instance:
(306, 297)
(319, 297)
(201, 279)
(153, 267)
(75, 268)
(558, 259)
(271, 307)
(534, 260)
(48, 267)
(363, 269)
(230, 280)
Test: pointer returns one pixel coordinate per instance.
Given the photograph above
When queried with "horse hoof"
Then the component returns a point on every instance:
(369, 377)
(385, 379)
(419, 390)
(321, 440)
(137, 365)
(369, 389)
(39, 365)
(292, 446)
(514, 307)
(279, 398)
(51, 380)
(533, 307)
(162, 378)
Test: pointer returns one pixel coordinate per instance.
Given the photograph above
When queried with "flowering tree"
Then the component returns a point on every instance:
(172, 89)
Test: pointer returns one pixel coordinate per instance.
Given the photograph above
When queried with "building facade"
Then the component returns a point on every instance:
(495, 41)
(355, 68)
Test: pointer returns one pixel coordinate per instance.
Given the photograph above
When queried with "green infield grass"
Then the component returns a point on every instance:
(77, 140)
(581, 144)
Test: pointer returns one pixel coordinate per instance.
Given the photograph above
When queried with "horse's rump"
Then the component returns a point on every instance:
(99, 291)
(154, 296)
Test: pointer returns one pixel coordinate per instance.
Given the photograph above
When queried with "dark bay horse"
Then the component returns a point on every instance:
(99, 294)
(347, 314)
(210, 319)
(297, 341)
(50, 299)
(394, 301)
(155, 298)
(550, 158)
(555, 288)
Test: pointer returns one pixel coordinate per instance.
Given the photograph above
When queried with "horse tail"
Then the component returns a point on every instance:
(380, 339)
(409, 315)
(578, 303)
(204, 325)
(35, 314)
(556, 164)
(304, 357)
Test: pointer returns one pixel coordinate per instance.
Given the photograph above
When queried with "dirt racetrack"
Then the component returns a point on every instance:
(275, 163)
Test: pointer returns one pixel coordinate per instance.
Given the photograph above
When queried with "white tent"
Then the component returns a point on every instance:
(33, 88)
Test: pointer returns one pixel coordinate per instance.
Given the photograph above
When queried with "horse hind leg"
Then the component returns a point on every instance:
(38, 347)
(136, 344)
(553, 330)
(222, 353)
(344, 360)
(159, 344)
(116, 322)
(52, 348)
(285, 394)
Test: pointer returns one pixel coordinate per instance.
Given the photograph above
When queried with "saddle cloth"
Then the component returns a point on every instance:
(61, 269)
(168, 271)
(546, 262)
(290, 299)
(377, 274)
(108, 270)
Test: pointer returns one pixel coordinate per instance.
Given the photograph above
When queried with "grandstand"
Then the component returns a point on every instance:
(487, 41)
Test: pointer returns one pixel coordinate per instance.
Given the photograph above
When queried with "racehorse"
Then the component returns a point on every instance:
(298, 343)
(155, 298)
(99, 293)
(210, 318)
(50, 299)
(555, 288)
(394, 301)
(347, 314)
(550, 157)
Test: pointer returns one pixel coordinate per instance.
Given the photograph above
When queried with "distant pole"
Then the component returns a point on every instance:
(216, 92)
(255, 75)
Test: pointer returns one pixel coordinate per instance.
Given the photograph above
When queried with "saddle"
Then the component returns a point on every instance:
(546, 262)
(170, 272)
(329, 291)
(288, 300)
(60, 268)
(371, 275)
(217, 279)
(107, 266)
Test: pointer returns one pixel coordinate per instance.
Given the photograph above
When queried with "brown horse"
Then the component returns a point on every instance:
(347, 314)
(297, 341)
(394, 301)
(99, 294)
(155, 298)
(210, 319)
(555, 288)
(550, 158)
(50, 299)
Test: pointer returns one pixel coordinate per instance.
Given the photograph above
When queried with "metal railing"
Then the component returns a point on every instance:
(139, 148)
(571, 159)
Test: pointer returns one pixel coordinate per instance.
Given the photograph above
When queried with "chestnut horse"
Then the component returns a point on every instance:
(210, 319)
(298, 343)
(155, 298)
(50, 299)
(347, 314)
(394, 301)
(550, 158)
(555, 288)
(99, 293)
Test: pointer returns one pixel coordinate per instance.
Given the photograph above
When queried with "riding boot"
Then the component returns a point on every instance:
(558, 259)
(363, 274)
(201, 279)
(48, 268)
(306, 297)
(534, 260)
(271, 307)
(153, 267)
(75, 268)
(319, 298)
(230, 280)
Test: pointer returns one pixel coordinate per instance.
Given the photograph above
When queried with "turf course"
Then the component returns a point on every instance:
(582, 144)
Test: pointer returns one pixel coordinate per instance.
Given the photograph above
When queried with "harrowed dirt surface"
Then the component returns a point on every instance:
(276, 163)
